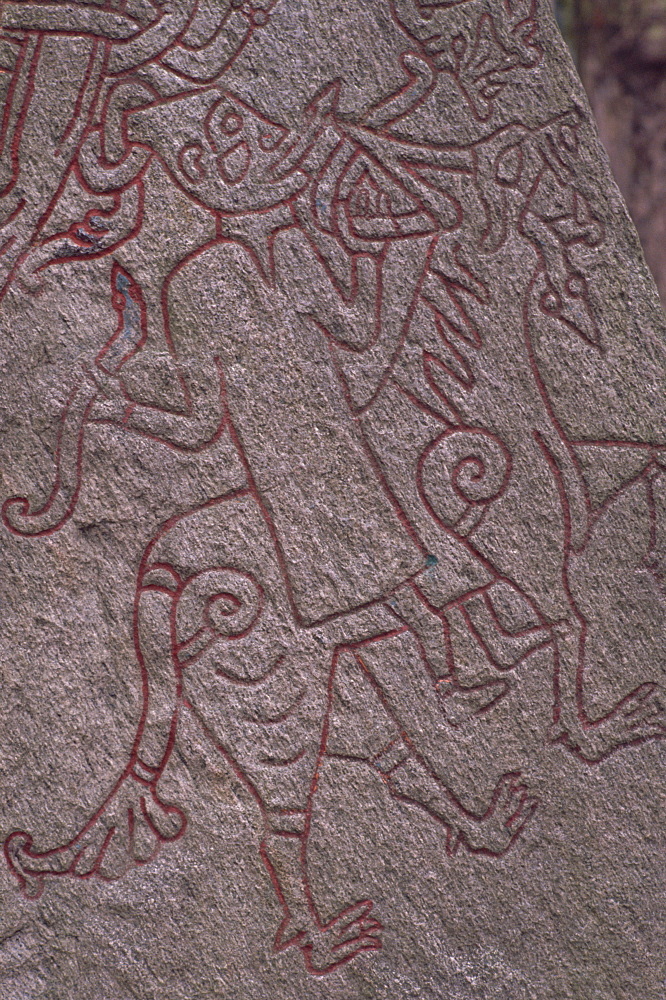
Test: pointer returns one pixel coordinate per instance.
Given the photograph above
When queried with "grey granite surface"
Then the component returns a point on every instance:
(333, 485)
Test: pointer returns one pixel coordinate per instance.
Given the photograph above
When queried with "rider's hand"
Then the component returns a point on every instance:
(257, 11)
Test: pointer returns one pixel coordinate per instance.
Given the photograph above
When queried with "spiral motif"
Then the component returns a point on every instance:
(463, 469)
(224, 602)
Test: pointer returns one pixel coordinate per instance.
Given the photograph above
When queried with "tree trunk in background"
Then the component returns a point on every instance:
(620, 48)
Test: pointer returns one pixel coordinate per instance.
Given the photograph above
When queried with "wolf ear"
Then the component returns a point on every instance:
(325, 102)
(421, 80)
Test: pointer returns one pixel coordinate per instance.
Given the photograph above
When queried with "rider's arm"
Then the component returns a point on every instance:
(206, 62)
(75, 17)
(351, 320)
(189, 428)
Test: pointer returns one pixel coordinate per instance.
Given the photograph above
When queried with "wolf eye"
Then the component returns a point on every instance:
(231, 124)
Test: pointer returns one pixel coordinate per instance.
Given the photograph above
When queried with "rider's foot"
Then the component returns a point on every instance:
(510, 810)
(460, 705)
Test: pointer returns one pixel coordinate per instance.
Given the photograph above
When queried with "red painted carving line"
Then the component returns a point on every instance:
(424, 763)
(484, 592)
(598, 513)
(431, 364)
(132, 289)
(235, 437)
(182, 646)
(544, 393)
(488, 652)
(313, 192)
(128, 79)
(373, 459)
(279, 943)
(448, 643)
(12, 239)
(403, 336)
(23, 503)
(402, 517)
(10, 218)
(153, 57)
(262, 507)
(180, 39)
(451, 422)
(474, 457)
(425, 14)
(239, 681)
(531, 630)
(348, 298)
(164, 292)
(18, 130)
(267, 861)
(171, 739)
(270, 278)
(155, 589)
(394, 99)
(23, 522)
(454, 293)
(219, 71)
(29, 42)
(92, 59)
(16, 140)
(314, 784)
(276, 720)
(186, 448)
(79, 237)
(487, 564)
(476, 288)
(144, 565)
(557, 475)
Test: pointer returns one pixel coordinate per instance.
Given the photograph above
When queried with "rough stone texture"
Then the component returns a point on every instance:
(334, 481)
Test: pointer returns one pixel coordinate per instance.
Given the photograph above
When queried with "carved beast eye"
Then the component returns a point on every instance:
(509, 166)
(190, 161)
(235, 163)
(231, 124)
(223, 122)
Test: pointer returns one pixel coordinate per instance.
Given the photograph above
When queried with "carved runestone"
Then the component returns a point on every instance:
(333, 510)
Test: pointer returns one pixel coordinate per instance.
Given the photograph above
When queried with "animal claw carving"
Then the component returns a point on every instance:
(327, 947)
(641, 715)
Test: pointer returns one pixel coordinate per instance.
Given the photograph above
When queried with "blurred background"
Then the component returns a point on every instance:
(620, 50)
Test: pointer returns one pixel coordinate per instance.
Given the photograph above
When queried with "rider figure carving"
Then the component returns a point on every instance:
(314, 278)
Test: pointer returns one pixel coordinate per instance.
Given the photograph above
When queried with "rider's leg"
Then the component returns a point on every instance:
(382, 710)
(437, 633)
